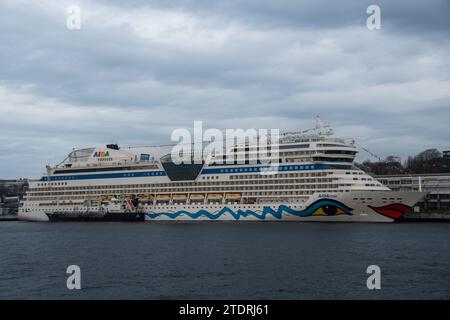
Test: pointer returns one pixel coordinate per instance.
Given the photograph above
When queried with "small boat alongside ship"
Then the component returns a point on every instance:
(113, 210)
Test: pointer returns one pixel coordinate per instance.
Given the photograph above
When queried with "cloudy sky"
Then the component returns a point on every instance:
(136, 70)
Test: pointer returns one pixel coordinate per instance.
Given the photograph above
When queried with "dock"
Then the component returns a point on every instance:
(9, 217)
(425, 217)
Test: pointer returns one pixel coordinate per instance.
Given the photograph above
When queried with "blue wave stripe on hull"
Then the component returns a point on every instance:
(276, 213)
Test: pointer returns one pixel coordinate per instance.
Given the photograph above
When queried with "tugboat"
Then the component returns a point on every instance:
(115, 209)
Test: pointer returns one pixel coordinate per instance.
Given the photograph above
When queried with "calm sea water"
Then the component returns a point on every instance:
(224, 260)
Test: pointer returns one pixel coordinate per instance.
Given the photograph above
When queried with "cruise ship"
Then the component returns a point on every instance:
(315, 180)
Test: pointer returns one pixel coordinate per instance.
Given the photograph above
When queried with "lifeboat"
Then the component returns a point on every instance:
(232, 195)
(214, 196)
(179, 196)
(145, 197)
(197, 196)
(162, 197)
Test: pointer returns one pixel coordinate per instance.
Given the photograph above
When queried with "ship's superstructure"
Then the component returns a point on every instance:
(314, 180)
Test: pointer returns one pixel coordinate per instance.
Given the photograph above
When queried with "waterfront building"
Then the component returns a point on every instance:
(436, 185)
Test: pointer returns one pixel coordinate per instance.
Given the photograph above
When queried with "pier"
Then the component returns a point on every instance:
(9, 217)
(435, 207)
(425, 217)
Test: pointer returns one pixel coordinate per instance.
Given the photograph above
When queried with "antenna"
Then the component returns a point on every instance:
(321, 128)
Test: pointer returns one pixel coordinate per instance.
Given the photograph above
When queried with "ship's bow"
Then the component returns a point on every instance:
(375, 206)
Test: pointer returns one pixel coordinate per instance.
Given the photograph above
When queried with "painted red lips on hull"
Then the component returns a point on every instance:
(393, 211)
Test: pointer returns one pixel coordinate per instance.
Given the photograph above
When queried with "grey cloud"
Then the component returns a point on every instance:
(402, 16)
(241, 64)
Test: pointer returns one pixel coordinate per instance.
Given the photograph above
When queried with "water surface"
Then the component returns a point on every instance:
(224, 260)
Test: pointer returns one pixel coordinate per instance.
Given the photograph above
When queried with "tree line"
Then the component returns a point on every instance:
(428, 161)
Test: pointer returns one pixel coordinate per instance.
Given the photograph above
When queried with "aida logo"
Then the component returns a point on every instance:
(101, 154)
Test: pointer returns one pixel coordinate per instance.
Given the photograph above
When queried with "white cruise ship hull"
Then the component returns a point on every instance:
(357, 206)
(36, 216)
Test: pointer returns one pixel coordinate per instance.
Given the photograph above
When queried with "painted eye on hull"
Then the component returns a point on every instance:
(329, 207)
(328, 210)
